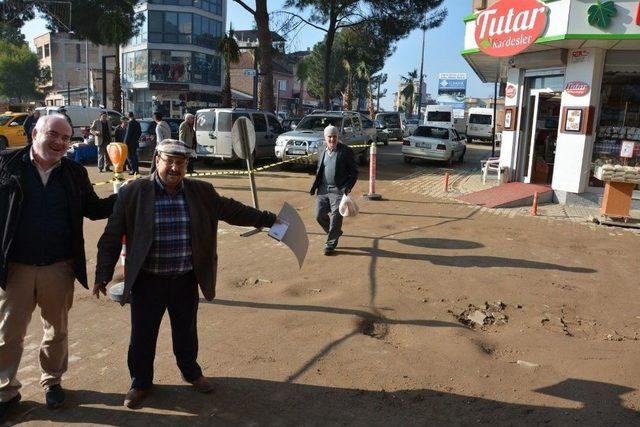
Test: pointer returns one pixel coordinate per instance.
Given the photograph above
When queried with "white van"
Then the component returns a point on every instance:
(213, 132)
(395, 124)
(480, 124)
(81, 116)
(442, 116)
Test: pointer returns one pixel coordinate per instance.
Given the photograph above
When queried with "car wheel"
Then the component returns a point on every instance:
(407, 159)
(3, 143)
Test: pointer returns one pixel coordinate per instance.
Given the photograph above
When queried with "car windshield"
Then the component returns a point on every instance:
(4, 119)
(431, 132)
(318, 123)
(412, 121)
(480, 119)
(145, 126)
(439, 116)
(390, 120)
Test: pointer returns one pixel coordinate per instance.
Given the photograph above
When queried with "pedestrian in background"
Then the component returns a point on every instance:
(163, 131)
(336, 175)
(187, 134)
(28, 124)
(101, 130)
(170, 225)
(132, 139)
(43, 199)
(121, 130)
(63, 111)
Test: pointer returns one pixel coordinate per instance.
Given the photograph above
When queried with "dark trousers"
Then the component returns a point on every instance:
(150, 296)
(190, 165)
(328, 216)
(132, 157)
(104, 162)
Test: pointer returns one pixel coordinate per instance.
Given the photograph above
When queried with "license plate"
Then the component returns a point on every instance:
(423, 145)
(297, 151)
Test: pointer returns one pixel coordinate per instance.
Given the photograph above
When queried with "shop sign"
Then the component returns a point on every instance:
(169, 86)
(578, 56)
(577, 88)
(510, 91)
(510, 26)
(600, 14)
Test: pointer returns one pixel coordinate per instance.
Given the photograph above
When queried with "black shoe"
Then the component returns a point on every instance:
(132, 173)
(5, 407)
(54, 396)
(328, 251)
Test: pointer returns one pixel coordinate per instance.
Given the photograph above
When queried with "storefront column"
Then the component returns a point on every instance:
(509, 144)
(573, 151)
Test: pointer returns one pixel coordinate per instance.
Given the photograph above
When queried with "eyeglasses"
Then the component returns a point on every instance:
(174, 162)
(55, 135)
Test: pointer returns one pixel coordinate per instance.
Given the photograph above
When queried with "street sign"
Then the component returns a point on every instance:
(249, 72)
(237, 134)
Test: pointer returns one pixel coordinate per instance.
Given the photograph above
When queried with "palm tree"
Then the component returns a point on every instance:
(302, 74)
(365, 74)
(230, 51)
(409, 90)
(347, 95)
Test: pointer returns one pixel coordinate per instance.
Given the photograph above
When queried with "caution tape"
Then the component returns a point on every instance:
(296, 159)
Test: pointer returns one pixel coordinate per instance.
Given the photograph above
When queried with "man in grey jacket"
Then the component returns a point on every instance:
(163, 131)
(187, 134)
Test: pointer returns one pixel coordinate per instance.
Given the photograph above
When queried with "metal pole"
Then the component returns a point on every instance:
(86, 59)
(68, 93)
(277, 96)
(255, 79)
(424, 32)
(495, 107)
(104, 81)
(244, 139)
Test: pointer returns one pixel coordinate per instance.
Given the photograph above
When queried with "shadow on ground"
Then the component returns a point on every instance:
(246, 401)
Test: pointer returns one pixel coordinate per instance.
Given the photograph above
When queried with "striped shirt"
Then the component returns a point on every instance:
(170, 253)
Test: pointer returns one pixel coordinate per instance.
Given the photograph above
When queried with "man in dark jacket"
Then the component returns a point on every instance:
(28, 124)
(43, 199)
(336, 175)
(170, 224)
(132, 139)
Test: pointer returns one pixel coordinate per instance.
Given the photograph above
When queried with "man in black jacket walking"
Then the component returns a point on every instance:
(132, 139)
(336, 175)
(43, 200)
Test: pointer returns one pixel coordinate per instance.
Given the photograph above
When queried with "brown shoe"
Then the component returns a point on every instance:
(203, 385)
(134, 398)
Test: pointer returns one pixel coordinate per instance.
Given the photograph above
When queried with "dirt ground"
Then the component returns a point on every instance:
(373, 335)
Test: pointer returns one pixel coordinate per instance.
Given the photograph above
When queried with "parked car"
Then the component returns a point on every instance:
(213, 132)
(11, 130)
(382, 134)
(308, 138)
(290, 124)
(147, 142)
(395, 123)
(82, 117)
(480, 124)
(411, 126)
(434, 143)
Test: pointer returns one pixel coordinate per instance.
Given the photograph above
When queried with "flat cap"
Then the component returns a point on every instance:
(173, 147)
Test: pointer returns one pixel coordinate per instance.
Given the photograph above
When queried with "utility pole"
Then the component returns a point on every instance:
(86, 60)
(68, 92)
(424, 32)
(104, 78)
(495, 108)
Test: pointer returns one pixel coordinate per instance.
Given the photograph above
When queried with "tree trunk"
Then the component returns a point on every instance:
(370, 100)
(348, 95)
(331, 33)
(265, 47)
(301, 100)
(226, 90)
(117, 87)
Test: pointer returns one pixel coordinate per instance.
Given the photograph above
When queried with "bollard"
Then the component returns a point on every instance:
(372, 174)
(534, 206)
(446, 182)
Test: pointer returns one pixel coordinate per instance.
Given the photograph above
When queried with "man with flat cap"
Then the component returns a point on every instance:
(170, 224)
(336, 175)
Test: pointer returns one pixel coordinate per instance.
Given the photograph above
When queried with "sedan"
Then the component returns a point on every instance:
(434, 143)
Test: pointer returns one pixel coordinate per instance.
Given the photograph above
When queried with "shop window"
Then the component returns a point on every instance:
(619, 122)
(169, 66)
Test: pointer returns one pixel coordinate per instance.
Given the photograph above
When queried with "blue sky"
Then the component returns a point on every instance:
(442, 50)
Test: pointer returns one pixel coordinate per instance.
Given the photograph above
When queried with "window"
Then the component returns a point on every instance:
(46, 50)
(135, 66)
(206, 121)
(356, 124)
(366, 123)
(274, 125)
(226, 120)
(480, 119)
(170, 27)
(40, 52)
(18, 121)
(431, 132)
(389, 120)
(155, 27)
(439, 116)
(318, 123)
(205, 69)
(184, 28)
(78, 53)
(259, 122)
(169, 66)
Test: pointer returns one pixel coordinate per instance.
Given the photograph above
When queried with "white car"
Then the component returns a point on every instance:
(434, 143)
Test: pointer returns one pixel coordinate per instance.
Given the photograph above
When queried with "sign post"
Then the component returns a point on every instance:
(243, 136)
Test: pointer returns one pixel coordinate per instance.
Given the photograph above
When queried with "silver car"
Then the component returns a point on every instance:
(434, 143)
(308, 137)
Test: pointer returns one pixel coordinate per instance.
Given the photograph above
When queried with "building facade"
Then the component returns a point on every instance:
(400, 102)
(173, 66)
(76, 69)
(572, 96)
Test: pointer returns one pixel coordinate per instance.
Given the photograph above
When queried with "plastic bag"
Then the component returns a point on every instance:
(348, 207)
